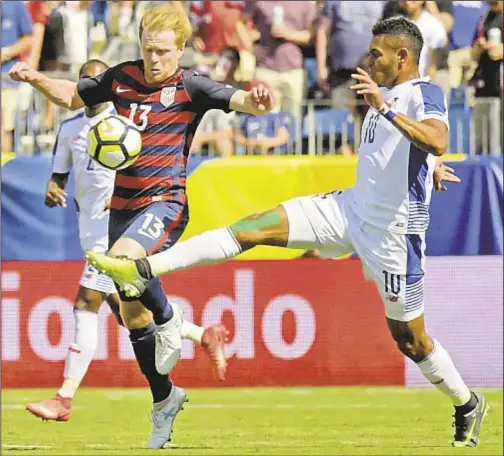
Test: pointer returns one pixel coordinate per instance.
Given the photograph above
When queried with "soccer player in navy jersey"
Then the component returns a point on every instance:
(149, 206)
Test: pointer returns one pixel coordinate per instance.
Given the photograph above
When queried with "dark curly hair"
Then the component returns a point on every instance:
(401, 27)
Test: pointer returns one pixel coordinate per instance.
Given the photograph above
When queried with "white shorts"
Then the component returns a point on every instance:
(93, 232)
(93, 280)
(395, 262)
(94, 236)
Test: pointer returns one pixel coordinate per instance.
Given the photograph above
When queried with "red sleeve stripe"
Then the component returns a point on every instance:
(160, 161)
(181, 96)
(133, 182)
(162, 139)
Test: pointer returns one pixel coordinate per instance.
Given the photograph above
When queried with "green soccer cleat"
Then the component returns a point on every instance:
(122, 270)
(467, 427)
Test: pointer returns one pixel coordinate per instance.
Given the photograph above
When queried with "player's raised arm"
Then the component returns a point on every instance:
(258, 101)
(60, 91)
(429, 133)
(207, 94)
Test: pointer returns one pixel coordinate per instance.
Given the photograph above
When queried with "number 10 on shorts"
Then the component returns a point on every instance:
(392, 283)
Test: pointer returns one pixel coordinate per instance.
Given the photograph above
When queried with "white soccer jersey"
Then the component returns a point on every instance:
(394, 177)
(94, 184)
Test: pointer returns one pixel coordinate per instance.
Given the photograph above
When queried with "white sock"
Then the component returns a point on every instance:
(208, 247)
(439, 369)
(192, 332)
(81, 352)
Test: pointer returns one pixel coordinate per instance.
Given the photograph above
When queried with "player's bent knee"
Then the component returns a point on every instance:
(135, 315)
(416, 349)
(128, 247)
(90, 300)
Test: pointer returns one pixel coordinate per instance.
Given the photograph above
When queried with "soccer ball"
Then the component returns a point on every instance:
(114, 142)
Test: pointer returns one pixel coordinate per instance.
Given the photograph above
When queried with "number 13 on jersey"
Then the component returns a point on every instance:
(143, 111)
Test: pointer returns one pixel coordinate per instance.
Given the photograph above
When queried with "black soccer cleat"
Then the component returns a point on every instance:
(467, 427)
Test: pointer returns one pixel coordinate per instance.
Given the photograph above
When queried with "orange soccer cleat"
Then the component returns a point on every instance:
(56, 409)
(212, 341)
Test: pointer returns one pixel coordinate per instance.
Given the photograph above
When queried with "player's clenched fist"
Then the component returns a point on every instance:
(262, 98)
(55, 196)
(21, 72)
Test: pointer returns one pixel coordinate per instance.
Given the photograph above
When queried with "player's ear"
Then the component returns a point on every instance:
(402, 55)
(180, 51)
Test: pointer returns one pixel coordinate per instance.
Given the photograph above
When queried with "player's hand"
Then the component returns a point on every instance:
(367, 87)
(198, 44)
(443, 173)
(494, 50)
(281, 31)
(21, 72)
(55, 196)
(262, 99)
(107, 204)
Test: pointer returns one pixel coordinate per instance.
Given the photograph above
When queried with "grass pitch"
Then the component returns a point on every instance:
(368, 421)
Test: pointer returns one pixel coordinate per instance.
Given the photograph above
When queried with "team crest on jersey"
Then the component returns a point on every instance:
(168, 96)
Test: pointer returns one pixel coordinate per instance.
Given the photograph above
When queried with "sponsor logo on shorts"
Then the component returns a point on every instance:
(393, 298)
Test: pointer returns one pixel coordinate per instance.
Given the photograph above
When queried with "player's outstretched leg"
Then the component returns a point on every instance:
(212, 340)
(267, 228)
(437, 367)
(80, 355)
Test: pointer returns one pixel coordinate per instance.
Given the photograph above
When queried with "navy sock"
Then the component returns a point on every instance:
(144, 346)
(154, 299)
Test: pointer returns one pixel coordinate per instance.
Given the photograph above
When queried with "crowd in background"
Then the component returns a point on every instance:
(303, 50)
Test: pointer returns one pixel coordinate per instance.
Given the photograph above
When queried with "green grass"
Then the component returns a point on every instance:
(370, 421)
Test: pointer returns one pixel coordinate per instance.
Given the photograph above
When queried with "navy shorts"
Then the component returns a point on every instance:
(155, 227)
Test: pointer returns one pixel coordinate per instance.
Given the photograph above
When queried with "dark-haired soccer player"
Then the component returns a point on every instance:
(383, 218)
(149, 206)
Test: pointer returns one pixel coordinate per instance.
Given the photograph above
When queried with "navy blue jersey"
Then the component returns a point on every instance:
(167, 116)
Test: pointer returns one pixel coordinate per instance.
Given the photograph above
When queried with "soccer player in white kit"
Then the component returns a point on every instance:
(383, 218)
(94, 188)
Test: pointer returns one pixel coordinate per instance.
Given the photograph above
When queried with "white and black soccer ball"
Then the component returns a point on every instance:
(114, 142)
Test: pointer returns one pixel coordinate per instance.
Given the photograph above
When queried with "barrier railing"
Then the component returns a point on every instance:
(475, 128)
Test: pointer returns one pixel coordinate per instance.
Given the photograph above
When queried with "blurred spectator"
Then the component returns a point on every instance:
(215, 26)
(16, 41)
(433, 32)
(466, 18)
(488, 51)
(215, 131)
(39, 13)
(53, 45)
(443, 11)
(345, 33)
(98, 34)
(283, 27)
(265, 135)
(218, 25)
(309, 51)
(76, 24)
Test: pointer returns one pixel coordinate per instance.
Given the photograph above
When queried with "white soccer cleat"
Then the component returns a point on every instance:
(169, 342)
(163, 419)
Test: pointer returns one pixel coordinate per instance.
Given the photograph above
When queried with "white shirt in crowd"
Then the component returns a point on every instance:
(434, 35)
